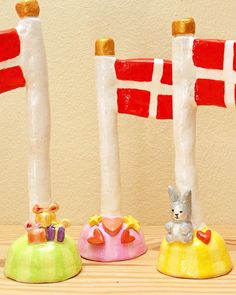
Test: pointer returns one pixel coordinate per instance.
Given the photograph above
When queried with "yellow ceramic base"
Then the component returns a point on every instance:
(196, 259)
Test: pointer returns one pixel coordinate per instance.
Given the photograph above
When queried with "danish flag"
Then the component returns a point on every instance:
(215, 68)
(11, 75)
(144, 87)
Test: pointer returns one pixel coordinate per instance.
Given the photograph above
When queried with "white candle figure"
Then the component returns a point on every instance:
(140, 87)
(184, 252)
(109, 236)
(23, 63)
(34, 66)
(184, 116)
(46, 253)
(107, 118)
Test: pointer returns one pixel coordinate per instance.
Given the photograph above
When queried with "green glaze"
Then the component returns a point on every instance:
(42, 263)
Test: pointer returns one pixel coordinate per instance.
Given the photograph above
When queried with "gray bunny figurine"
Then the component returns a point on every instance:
(180, 227)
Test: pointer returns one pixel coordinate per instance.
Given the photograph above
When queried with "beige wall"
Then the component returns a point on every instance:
(140, 29)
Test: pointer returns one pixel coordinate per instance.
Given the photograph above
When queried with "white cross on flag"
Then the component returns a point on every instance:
(144, 87)
(215, 69)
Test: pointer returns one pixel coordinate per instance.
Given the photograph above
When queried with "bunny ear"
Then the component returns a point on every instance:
(37, 209)
(53, 207)
(173, 194)
(186, 197)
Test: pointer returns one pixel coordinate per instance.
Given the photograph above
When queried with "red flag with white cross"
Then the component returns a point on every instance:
(11, 75)
(215, 66)
(144, 87)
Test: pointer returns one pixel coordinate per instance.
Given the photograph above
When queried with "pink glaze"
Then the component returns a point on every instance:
(112, 249)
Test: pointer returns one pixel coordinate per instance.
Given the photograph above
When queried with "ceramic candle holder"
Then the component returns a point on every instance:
(46, 254)
(109, 236)
(189, 253)
(202, 71)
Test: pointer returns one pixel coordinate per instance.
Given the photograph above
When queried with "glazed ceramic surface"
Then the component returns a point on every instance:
(205, 257)
(42, 262)
(46, 254)
(111, 239)
(180, 227)
(23, 64)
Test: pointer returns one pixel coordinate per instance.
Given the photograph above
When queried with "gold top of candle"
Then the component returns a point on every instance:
(105, 46)
(28, 8)
(183, 26)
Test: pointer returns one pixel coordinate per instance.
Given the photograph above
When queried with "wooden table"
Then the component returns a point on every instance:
(138, 276)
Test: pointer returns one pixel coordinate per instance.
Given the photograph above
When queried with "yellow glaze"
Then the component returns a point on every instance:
(104, 47)
(183, 26)
(27, 8)
(95, 220)
(46, 218)
(65, 222)
(132, 222)
(195, 259)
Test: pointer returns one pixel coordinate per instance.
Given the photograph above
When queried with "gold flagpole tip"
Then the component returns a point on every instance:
(105, 46)
(183, 26)
(27, 8)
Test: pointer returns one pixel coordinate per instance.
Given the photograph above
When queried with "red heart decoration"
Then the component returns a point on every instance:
(205, 237)
(112, 225)
(97, 238)
(126, 237)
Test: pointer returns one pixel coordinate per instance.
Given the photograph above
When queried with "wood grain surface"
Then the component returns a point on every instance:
(138, 276)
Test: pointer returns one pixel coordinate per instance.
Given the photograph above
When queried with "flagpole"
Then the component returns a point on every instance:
(107, 117)
(184, 113)
(33, 63)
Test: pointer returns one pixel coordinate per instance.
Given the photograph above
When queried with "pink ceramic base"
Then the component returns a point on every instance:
(112, 249)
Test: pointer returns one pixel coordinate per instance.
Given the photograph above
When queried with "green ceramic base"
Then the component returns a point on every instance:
(42, 263)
